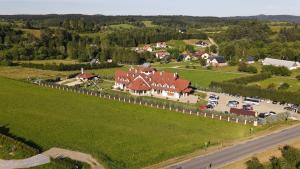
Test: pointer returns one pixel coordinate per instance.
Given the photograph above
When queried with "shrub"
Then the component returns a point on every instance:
(298, 77)
(243, 67)
(254, 164)
(279, 71)
(284, 86)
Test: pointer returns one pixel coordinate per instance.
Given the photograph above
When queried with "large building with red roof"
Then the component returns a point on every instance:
(148, 81)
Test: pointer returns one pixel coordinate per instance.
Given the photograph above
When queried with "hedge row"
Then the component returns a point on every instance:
(250, 79)
(68, 67)
(278, 71)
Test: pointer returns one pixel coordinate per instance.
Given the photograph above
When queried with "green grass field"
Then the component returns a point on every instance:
(203, 78)
(120, 135)
(294, 83)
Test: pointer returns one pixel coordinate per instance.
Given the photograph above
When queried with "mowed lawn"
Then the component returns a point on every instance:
(120, 135)
(203, 78)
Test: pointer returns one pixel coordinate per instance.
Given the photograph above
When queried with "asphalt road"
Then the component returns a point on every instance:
(236, 152)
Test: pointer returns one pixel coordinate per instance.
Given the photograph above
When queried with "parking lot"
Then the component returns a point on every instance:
(264, 106)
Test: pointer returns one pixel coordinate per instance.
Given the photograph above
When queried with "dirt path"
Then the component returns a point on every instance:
(45, 157)
(25, 163)
(74, 155)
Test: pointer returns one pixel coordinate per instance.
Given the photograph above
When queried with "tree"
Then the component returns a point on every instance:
(213, 49)
(202, 62)
(275, 163)
(254, 164)
(291, 155)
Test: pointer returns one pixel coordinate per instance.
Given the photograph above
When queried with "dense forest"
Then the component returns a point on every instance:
(87, 37)
(255, 38)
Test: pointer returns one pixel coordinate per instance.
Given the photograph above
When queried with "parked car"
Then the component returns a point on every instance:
(214, 96)
(247, 107)
(291, 109)
(212, 100)
(262, 115)
(232, 104)
(209, 106)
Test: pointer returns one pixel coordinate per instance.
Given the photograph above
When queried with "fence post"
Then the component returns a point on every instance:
(204, 114)
(212, 115)
(245, 122)
(228, 119)
(220, 117)
(190, 112)
(237, 120)
(183, 111)
(197, 113)
(255, 123)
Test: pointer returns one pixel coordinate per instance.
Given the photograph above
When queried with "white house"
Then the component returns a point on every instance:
(148, 48)
(291, 65)
(216, 61)
(161, 45)
(162, 54)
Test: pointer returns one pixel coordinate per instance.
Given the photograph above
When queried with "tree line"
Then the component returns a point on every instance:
(136, 36)
(290, 160)
(256, 38)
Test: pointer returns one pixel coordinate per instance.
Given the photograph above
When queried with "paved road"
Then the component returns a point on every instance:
(239, 151)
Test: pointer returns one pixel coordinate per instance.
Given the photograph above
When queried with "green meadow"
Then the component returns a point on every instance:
(119, 135)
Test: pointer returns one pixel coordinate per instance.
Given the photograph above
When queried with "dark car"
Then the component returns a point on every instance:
(247, 107)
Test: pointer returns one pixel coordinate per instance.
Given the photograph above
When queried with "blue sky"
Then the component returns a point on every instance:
(152, 7)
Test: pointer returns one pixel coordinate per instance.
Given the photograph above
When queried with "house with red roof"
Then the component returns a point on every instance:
(85, 76)
(149, 81)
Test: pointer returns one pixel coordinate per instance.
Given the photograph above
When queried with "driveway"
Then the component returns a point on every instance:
(240, 151)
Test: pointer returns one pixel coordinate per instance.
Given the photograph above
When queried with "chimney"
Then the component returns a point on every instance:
(81, 70)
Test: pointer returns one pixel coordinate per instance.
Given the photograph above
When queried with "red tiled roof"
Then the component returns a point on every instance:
(137, 79)
(139, 85)
(86, 76)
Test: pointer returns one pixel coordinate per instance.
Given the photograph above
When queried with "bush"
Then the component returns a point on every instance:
(243, 67)
(254, 164)
(298, 77)
(279, 71)
(284, 86)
